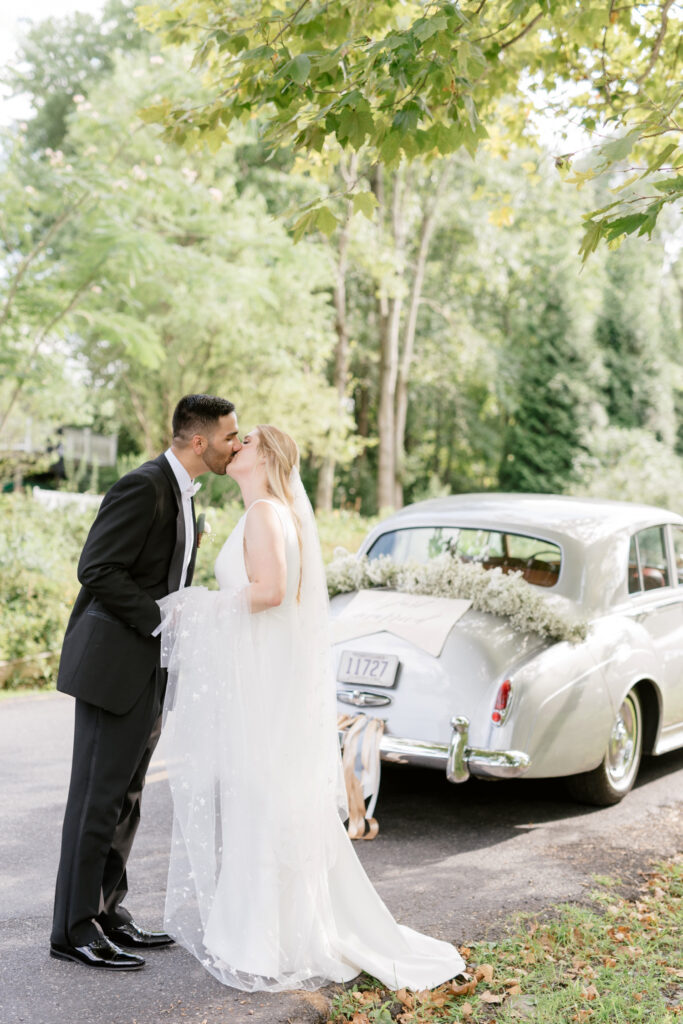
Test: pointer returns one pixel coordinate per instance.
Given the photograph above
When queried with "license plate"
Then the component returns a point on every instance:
(372, 669)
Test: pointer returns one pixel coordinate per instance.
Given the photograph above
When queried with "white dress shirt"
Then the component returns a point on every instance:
(187, 489)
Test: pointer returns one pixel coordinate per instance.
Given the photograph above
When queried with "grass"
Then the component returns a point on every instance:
(31, 690)
(617, 961)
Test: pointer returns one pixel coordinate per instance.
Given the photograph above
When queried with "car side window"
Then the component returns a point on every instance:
(634, 581)
(648, 564)
(677, 534)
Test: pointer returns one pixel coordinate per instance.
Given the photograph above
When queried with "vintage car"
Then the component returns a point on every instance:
(467, 692)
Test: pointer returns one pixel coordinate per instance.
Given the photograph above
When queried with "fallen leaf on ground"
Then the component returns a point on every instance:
(590, 992)
(405, 998)
(365, 997)
(467, 989)
(491, 997)
(466, 1009)
(484, 972)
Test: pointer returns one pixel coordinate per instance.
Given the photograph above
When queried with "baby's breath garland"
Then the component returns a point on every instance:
(489, 590)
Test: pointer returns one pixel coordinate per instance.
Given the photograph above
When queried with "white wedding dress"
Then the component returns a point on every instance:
(265, 888)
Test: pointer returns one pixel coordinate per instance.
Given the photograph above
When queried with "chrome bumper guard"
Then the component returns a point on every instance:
(459, 759)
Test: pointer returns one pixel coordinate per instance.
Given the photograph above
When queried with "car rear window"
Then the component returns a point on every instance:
(538, 560)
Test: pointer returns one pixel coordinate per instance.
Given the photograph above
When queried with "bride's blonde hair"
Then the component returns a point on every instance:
(281, 457)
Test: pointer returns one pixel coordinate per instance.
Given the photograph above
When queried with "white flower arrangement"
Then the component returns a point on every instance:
(489, 590)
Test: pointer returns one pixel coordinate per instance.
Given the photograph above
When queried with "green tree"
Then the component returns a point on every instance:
(60, 58)
(414, 79)
(545, 430)
(637, 387)
(154, 274)
(39, 290)
(201, 289)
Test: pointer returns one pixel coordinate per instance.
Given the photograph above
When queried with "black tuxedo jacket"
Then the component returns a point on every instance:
(133, 555)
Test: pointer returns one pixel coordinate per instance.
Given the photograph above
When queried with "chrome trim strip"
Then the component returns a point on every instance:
(458, 758)
(363, 698)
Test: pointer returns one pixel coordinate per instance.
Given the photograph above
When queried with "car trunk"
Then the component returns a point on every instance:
(480, 651)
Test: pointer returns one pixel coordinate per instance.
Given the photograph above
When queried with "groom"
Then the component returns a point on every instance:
(141, 547)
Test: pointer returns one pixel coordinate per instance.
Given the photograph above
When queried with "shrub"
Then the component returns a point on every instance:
(39, 552)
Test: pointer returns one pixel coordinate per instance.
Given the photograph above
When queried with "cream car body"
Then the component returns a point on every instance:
(498, 703)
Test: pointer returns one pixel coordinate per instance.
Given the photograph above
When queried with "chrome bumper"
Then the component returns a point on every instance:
(458, 758)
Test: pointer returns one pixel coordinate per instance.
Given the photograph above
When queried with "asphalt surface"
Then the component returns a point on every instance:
(454, 861)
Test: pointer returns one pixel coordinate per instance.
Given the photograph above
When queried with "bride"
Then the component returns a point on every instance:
(265, 888)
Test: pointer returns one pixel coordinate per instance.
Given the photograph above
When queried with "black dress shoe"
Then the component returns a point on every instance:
(139, 938)
(100, 953)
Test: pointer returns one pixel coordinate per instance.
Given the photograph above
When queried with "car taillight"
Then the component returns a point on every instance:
(502, 702)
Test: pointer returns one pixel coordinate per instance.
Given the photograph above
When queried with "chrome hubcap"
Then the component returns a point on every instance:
(624, 744)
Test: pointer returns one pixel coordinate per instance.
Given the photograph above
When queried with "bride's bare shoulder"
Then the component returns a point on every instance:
(263, 518)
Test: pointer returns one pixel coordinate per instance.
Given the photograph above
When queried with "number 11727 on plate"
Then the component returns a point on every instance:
(375, 669)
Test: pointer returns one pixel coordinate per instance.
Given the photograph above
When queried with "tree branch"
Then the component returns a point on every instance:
(35, 252)
(41, 336)
(527, 28)
(657, 46)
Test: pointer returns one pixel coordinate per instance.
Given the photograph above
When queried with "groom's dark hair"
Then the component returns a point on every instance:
(195, 414)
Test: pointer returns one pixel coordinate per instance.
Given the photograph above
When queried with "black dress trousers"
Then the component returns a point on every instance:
(103, 812)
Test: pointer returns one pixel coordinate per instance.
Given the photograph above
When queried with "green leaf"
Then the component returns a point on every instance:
(662, 157)
(236, 44)
(426, 27)
(257, 54)
(670, 184)
(326, 221)
(354, 125)
(406, 119)
(390, 149)
(620, 148)
(155, 113)
(300, 68)
(365, 202)
(593, 234)
(624, 225)
(304, 224)
(296, 70)
(214, 139)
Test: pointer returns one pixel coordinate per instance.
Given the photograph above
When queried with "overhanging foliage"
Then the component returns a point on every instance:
(422, 79)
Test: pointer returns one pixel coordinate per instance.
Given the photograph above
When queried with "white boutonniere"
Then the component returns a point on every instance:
(202, 528)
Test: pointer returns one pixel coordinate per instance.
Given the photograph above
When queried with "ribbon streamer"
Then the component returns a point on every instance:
(361, 737)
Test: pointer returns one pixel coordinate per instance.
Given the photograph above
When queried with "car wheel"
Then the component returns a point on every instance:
(615, 775)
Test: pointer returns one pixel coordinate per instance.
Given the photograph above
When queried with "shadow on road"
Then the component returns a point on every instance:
(478, 813)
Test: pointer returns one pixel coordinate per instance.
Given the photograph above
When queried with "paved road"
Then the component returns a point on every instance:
(454, 861)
